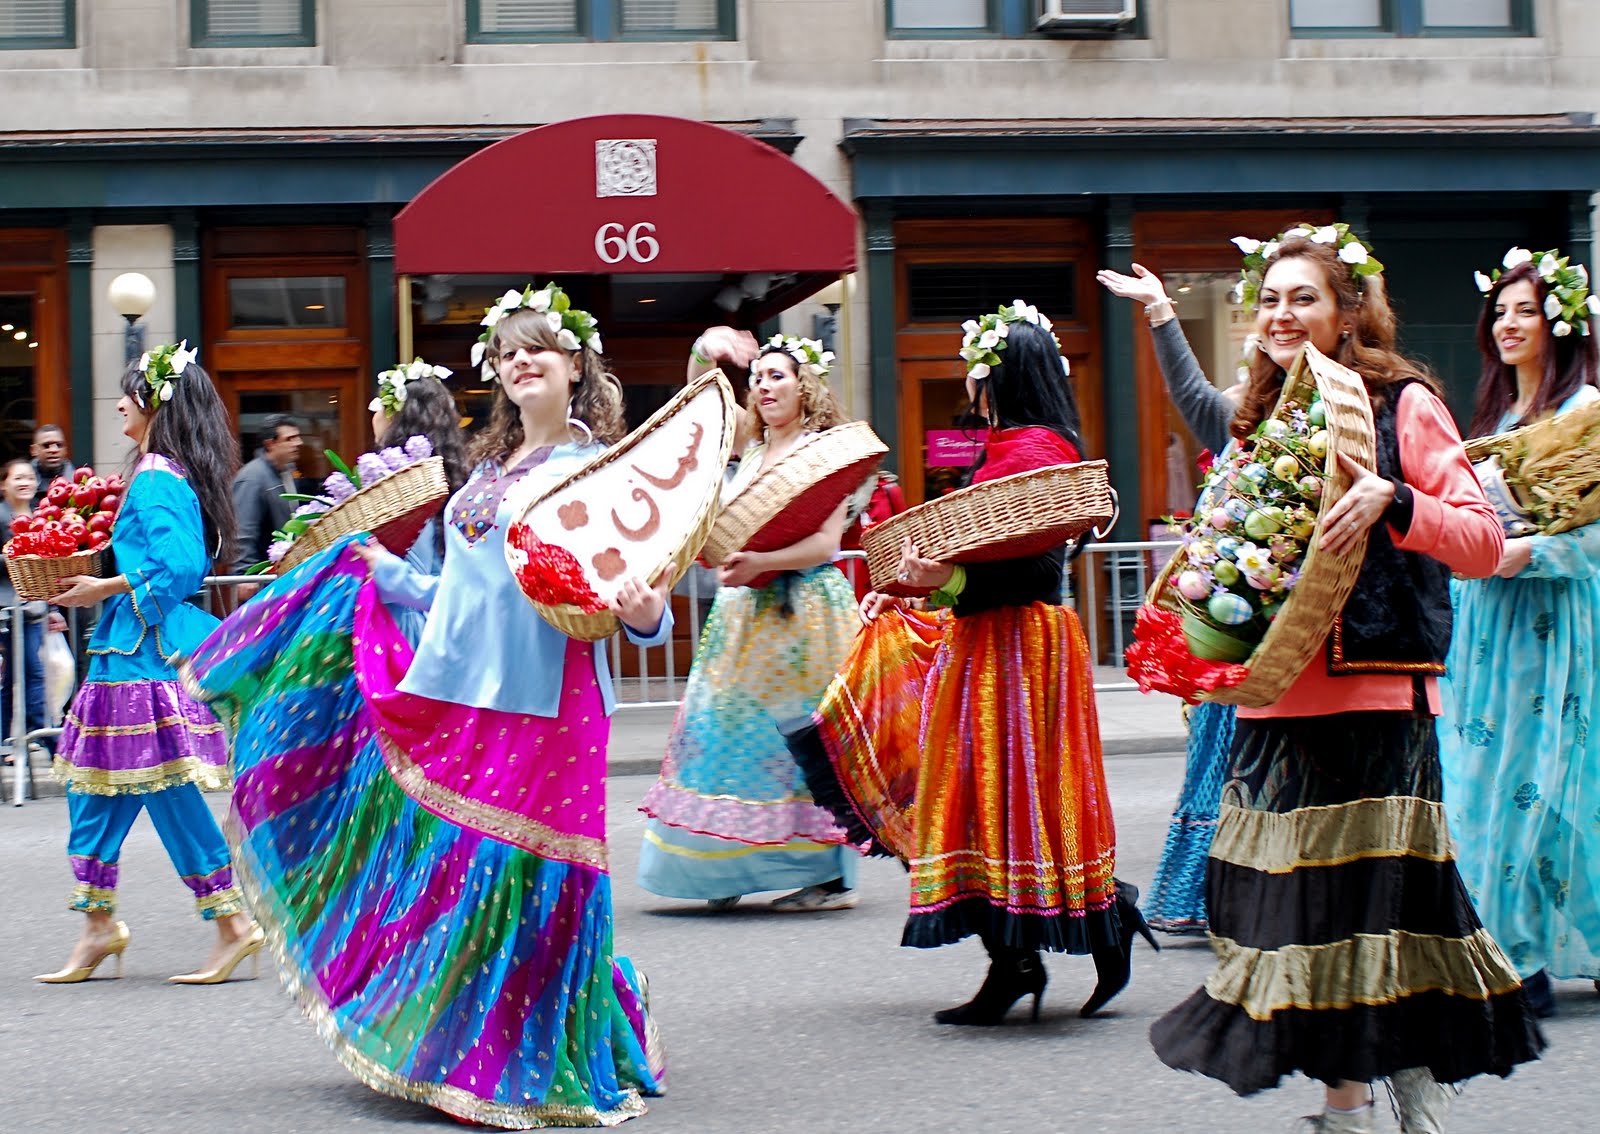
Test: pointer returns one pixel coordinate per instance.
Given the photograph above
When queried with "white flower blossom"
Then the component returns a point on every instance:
(1327, 234)
(182, 357)
(510, 301)
(594, 343)
(1552, 307)
(1593, 304)
(989, 339)
(1353, 253)
(478, 350)
(144, 361)
(1269, 249)
(552, 319)
(442, 372)
(164, 394)
(540, 300)
(375, 405)
(567, 340)
(1548, 268)
(1484, 282)
(978, 371)
(970, 327)
(1514, 257)
(1247, 246)
(1561, 330)
(1003, 330)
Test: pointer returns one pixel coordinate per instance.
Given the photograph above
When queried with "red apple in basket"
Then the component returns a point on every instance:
(97, 540)
(20, 525)
(110, 502)
(60, 493)
(82, 474)
(100, 522)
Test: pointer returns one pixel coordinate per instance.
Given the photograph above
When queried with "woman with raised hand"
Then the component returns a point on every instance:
(134, 740)
(1521, 761)
(1176, 902)
(1347, 948)
(730, 815)
(423, 830)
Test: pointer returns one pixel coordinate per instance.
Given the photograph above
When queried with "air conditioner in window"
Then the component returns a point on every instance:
(1084, 15)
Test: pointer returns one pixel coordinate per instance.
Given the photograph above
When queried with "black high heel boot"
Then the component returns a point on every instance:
(1114, 964)
(1013, 974)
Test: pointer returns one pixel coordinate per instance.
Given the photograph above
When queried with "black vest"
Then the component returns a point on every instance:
(1397, 619)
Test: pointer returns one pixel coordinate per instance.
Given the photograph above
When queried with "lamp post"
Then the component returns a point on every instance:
(132, 295)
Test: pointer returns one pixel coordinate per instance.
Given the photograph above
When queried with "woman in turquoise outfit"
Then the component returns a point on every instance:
(134, 740)
(1521, 756)
(422, 831)
(730, 814)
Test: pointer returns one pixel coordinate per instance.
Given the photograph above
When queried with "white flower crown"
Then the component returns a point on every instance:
(392, 384)
(1567, 302)
(160, 366)
(573, 327)
(1354, 251)
(805, 352)
(985, 338)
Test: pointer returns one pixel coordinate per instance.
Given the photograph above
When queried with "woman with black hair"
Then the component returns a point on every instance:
(413, 401)
(134, 739)
(968, 746)
(1521, 761)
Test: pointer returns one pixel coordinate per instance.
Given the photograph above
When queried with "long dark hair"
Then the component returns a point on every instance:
(1568, 363)
(1030, 387)
(597, 398)
(192, 428)
(429, 411)
(1369, 349)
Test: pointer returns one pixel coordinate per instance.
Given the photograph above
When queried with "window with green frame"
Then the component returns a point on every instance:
(1320, 18)
(958, 19)
(252, 23)
(532, 21)
(38, 23)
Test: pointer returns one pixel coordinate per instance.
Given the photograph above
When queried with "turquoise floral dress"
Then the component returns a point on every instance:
(1521, 760)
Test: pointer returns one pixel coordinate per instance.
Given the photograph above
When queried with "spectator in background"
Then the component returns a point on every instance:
(259, 487)
(49, 460)
(16, 495)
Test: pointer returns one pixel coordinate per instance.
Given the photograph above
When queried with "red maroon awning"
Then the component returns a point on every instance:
(626, 193)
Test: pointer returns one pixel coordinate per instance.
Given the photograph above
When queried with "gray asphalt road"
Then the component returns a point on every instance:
(773, 1023)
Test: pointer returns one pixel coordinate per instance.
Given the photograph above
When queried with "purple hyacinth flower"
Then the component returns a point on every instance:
(395, 457)
(278, 550)
(371, 469)
(312, 508)
(338, 486)
(418, 447)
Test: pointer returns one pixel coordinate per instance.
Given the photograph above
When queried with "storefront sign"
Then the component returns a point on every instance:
(951, 448)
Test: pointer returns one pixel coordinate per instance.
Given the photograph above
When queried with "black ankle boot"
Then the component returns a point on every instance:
(1114, 963)
(1010, 978)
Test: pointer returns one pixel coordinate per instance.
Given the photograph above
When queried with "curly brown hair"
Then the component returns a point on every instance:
(597, 397)
(818, 409)
(1368, 349)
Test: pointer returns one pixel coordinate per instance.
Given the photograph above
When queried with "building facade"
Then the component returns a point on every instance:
(251, 156)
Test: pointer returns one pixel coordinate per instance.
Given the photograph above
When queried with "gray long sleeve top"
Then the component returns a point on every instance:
(1205, 409)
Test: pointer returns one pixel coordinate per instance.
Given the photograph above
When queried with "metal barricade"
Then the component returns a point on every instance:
(1106, 585)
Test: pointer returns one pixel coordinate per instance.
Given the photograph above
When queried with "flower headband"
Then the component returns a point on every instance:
(805, 352)
(1354, 251)
(985, 338)
(572, 326)
(392, 384)
(1567, 302)
(160, 366)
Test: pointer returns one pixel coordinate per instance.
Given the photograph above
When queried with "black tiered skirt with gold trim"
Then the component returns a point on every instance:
(1347, 947)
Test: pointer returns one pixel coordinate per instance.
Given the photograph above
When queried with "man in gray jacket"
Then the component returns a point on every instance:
(259, 486)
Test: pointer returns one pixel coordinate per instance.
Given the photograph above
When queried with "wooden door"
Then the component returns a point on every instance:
(35, 388)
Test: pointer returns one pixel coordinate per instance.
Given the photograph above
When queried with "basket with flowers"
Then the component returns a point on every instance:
(1249, 597)
(65, 536)
(392, 494)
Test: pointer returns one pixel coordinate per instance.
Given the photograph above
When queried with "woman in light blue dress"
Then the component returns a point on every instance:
(1521, 760)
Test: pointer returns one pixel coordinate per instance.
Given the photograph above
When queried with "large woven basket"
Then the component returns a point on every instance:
(1301, 627)
(1564, 447)
(1011, 517)
(572, 620)
(793, 498)
(394, 509)
(41, 577)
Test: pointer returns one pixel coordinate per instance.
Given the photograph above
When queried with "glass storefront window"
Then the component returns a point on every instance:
(283, 302)
(316, 410)
(19, 350)
(1216, 323)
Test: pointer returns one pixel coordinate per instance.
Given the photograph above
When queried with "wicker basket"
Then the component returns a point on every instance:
(573, 621)
(1564, 450)
(394, 509)
(1011, 517)
(42, 577)
(792, 499)
(1301, 627)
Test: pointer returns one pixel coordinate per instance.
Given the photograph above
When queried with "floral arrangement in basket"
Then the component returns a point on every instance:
(1240, 558)
(339, 486)
(76, 516)
(1543, 478)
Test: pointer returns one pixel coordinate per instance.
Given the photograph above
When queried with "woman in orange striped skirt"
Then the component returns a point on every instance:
(966, 743)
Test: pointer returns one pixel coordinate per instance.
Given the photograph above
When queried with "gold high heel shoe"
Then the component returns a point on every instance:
(247, 946)
(113, 948)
